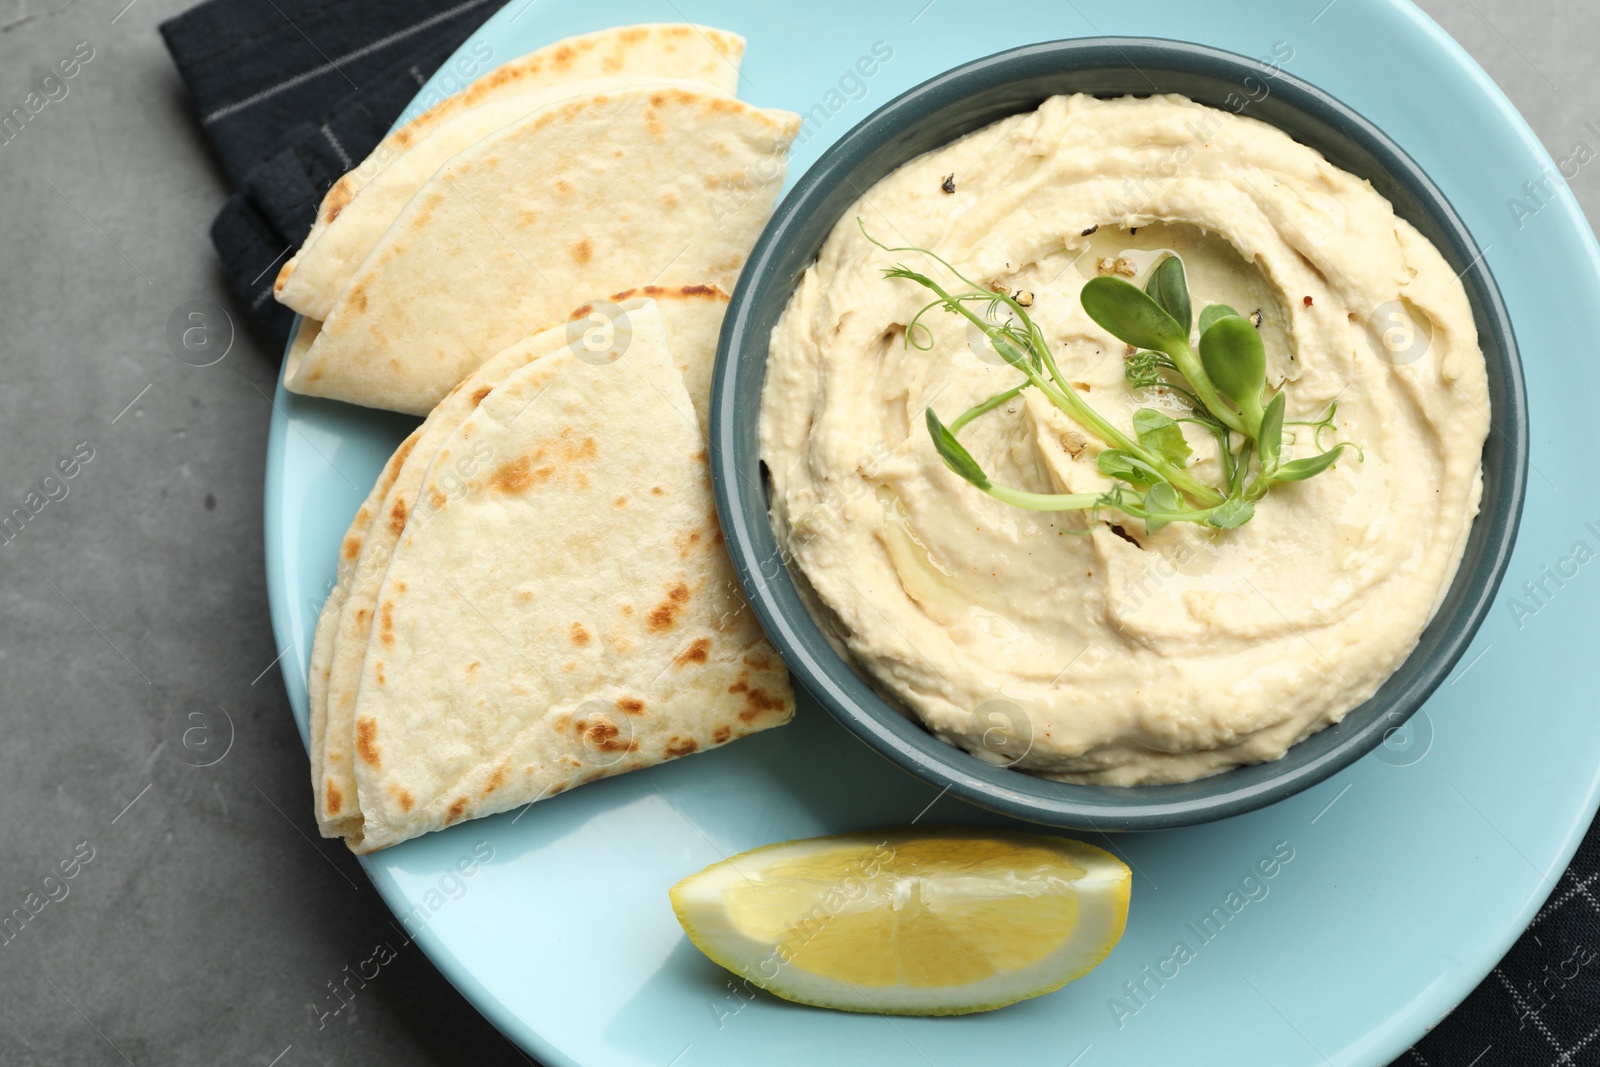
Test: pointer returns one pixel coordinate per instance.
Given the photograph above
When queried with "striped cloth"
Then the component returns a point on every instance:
(291, 94)
(1541, 1006)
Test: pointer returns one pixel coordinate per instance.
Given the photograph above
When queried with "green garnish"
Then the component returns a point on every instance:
(1223, 386)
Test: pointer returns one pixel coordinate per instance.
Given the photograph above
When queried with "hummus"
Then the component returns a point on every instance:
(1076, 645)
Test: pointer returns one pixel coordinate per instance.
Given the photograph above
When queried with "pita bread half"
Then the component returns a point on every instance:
(622, 189)
(568, 613)
(333, 777)
(322, 642)
(311, 281)
(649, 50)
(692, 315)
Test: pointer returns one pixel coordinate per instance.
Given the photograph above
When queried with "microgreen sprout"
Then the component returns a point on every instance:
(1223, 385)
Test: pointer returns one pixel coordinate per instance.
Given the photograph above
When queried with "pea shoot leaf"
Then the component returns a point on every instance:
(1269, 442)
(1128, 313)
(1213, 312)
(1161, 435)
(1116, 463)
(955, 456)
(1231, 513)
(1170, 289)
(1301, 469)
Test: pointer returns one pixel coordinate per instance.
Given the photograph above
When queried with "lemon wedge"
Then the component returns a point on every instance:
(910, 922)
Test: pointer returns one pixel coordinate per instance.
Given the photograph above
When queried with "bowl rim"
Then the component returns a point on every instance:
(770, 590)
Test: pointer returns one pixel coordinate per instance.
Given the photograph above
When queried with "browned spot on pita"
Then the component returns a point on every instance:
(400, 587)
(514, 477)
(656, 490)
(582, 251)
(719, 103)
(425, 212)
(652, 122)
(602, 734)
(335, 798)
(757, 701)
(358, 296)
(337, 200)
(482, 391)
(397, 517)
(528, 217)
(697, 291)
(378, 670)
(386, 624)
(563, 188)
(631, 705)
(686, 542)
(665, 614)
(401, 453)
(474, 665)
(680, 746)
(496, 780)
(580, 636)
(352, 548)
(404, 799)
(760, 663)
(367, 741)
(695, 653)
(631, 35)
(559, 787)
(721, 734)
(458, 808)
(564, 56)
(620, 502)
(583, 312)
(436, 500)
(362, 615)
(700, 456)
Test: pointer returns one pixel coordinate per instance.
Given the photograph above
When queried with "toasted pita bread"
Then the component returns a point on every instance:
(693, 318)
(626, 53)
(313, 280)
(620, 189)
(566, 611)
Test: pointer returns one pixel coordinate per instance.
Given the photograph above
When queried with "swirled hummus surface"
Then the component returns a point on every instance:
(1076, 645)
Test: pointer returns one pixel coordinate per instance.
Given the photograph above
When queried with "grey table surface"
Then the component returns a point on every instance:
(211, 916)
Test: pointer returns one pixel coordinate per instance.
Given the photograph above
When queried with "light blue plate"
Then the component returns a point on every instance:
(1411, 873)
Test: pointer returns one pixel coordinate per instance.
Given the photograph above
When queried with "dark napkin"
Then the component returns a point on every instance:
(293, 93)
(1541, 1006)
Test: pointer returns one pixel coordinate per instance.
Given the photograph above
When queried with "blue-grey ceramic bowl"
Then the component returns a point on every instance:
(965, 99)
